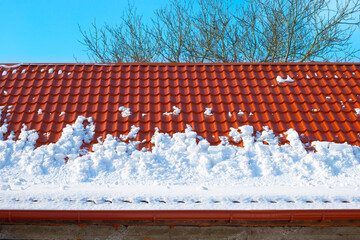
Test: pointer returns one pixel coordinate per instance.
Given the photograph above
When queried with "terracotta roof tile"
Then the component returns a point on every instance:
(320, 103)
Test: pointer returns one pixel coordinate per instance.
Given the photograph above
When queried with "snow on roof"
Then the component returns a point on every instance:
(125, 112)
(178, 173)
(279, 79)
(289, 146)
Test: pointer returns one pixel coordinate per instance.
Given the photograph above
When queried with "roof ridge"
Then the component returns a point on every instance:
(12, 65)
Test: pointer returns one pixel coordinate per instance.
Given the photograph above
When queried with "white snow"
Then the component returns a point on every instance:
(241, 113)
(235, 135)
(357, 110)
(132, 134)
(14, 71)
(61, 114)
(176, 111)
(4, 73)
(23, 71)
(229, 114)
(60, 72)
(208, 111)
(279, 79)
(116, 175)
(11, 66)
(6, 92)
(51, 70)
(125, 112)
(40, 111)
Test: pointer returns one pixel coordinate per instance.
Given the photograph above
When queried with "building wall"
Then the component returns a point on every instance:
(175, 233)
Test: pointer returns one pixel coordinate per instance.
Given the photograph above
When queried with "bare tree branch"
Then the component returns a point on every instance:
(216, 31)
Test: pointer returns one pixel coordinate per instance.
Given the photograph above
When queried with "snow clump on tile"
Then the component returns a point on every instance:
(357, 111)
(279, 79)
(11, 66)
(236, 136)
(125, 112)
(240, 113)
(132, 134)
(208, 111)
(40, 111)
(176, 111)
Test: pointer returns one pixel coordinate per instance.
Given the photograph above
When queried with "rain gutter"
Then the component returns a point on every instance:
(335, 217)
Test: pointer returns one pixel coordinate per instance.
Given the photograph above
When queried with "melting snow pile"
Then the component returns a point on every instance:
(178, 167)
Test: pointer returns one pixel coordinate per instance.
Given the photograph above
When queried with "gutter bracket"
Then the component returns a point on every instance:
(291, 220)
(322, 217)
(10, 218)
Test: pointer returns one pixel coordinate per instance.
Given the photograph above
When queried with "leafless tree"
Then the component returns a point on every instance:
(173, 29)
(131, 41)
(293, 30)
(218, 31)
(214, 34)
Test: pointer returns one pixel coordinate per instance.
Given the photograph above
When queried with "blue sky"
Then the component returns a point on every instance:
(41, 31)
(47, 31)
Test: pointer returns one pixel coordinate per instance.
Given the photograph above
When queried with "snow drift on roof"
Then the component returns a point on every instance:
(177, 167)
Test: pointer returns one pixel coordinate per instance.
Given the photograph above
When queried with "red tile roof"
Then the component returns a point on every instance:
(320, 103)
